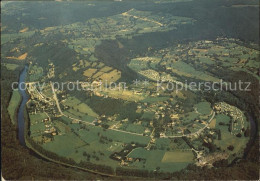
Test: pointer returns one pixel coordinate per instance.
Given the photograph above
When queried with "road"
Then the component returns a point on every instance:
(195, 133)
(56, 99)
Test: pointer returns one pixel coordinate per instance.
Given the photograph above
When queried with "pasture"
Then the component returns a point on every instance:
(228, 139)
(13, 105)
(212, 124)
(64, 145)
(36, 124)
(112, 76)
(203, 108)
(12, 36)
(79, 108)
(222, 118)
(135, 128)
(10, 66)
(155, 99)
(184, 69)
(178, 156)
(89, 72)
(120, 93)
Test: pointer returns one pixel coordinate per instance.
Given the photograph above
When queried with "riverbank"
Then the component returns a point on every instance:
(25, 97)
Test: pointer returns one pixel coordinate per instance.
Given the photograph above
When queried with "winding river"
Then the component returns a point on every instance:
(25, 98)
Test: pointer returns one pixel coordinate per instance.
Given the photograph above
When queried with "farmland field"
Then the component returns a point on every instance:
(79, 108)
(178, 156)
(203, 108)
(10, 66)
(13, 105)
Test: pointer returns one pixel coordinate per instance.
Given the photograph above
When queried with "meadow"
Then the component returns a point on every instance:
(178, 156)
(10, 66)
(13, 105)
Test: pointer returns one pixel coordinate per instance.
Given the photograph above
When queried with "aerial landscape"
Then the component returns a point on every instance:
(159, 89)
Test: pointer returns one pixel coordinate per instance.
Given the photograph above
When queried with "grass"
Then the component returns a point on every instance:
(154, 159)
(37, 129)
(13, 105)
(89, 72)
(115, 147)
(203, 108)
(12, 36)
(61, 127)
(106, 69)
(148, 115)
(155, 99)
(84, 108)
(139, 153)
(228, 139)
(212, 124)
(36, 125)
(125, 137)
(123, 94)
(64, 145)
(206, 60)
(162, 143)
(78, 115)
(79, 108)
(135, 128)
(37, 118)
(222, 118)
(178, 156)
(191, 116)
(66, 120)
(138, 65)
(184, 69)
(10, 66)
(90, 136)
(112, 76)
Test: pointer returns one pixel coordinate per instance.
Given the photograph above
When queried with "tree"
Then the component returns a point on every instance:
(247, 132)
(239, 135)
(230, 147)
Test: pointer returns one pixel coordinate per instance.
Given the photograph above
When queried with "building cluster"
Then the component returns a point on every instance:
(237, 123)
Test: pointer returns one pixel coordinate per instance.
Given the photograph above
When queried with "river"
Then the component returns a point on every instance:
(25, 98)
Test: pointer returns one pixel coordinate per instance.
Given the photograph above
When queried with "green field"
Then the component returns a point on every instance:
(37, 127)
(155, 159)
(13, 105)
(74, 114)
(222, 118)
(9, 37)
(155, 99)
(228, 139)
(203, 108)
(79, 108)
(148, 115)
(112, 134)
(10, 66)
(178, 156)
(135, 128)
(64, 145)
(183, 69)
